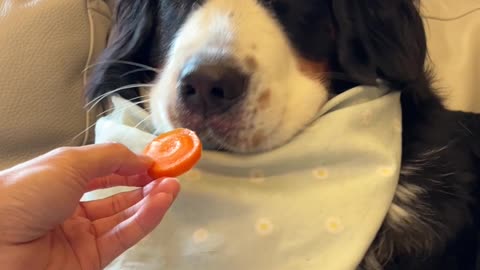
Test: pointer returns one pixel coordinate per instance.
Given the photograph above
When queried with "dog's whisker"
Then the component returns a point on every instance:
(105, 112)
(221, 143)
(466, 128)
(87, 129)
(94, 102)
(146, 67)
(143, 121)
(136, 126)
(133, 71)
(140, 97)
(156, 131)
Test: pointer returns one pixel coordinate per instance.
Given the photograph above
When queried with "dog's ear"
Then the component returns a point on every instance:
(129, 50)
(378, 39)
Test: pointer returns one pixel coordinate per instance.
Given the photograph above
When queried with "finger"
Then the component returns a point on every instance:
(116, 204)
(109, 206)
(106, 224)
(98, 160)
(116, 180)
(131, 231)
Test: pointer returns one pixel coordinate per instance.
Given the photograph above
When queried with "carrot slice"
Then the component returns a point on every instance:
(174, 153)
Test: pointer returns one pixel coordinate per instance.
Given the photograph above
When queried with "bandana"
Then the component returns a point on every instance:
(317, 202)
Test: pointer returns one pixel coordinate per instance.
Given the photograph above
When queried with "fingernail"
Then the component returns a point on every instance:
(166, 186)
(158, 183)
(168, 180)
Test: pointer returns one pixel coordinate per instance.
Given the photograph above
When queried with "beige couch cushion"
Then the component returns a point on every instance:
(453, 31)
(44, 47)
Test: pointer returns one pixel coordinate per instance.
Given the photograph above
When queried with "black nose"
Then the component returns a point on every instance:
(211, 87)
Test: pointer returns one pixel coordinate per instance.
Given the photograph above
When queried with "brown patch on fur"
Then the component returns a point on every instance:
(264, 99)
(257, 139)
(254, 46)
(312, 69)
(251, 63)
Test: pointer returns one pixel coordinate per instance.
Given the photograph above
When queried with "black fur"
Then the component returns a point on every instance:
(362, 41)
(133, 39)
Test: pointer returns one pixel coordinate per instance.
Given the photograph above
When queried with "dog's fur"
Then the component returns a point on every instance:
(299, 53)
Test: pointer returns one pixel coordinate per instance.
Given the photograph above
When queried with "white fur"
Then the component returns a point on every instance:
(243, 29)
(408, 193)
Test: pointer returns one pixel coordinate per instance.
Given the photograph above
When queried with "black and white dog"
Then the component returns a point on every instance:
(248, 75)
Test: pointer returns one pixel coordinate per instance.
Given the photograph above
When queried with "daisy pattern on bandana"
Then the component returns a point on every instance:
(367, 117)
(334, 225)
(320, 173)
(385, 171)
(264, 226)
(397, 125)
(257, 176)
(200, 235)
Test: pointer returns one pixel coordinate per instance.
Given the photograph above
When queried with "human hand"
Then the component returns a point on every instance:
(43, 224)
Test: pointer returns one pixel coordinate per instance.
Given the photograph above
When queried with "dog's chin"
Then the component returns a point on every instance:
(221, 138)
(225, 134)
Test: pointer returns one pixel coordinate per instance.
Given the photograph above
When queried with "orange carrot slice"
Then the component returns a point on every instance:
(174, 153)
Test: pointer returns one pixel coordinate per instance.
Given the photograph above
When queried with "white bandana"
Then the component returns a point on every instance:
(314, 203)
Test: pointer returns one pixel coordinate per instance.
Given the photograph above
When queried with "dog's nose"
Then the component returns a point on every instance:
(211, 87)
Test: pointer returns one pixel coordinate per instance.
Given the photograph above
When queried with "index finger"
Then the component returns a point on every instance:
(99, 160)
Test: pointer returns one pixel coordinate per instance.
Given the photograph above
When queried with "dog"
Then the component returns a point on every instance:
(235, 72)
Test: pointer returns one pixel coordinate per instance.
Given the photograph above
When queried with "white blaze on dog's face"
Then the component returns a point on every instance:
(232, 75)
